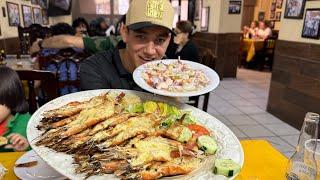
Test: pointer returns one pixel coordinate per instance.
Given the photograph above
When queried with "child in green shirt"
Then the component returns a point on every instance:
(14, 114)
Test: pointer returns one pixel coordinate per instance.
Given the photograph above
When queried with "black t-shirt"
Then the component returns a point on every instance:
(104, 70)
(188, 52)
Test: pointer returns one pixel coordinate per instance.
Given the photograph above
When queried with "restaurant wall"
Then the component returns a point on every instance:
(291, 28)
(295, 82)
(12, 31)
(265, 6)
(222, 36)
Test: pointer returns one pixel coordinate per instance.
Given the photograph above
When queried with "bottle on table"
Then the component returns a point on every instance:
(303, 163)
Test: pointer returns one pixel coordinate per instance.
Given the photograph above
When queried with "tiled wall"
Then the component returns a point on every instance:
(295, 83)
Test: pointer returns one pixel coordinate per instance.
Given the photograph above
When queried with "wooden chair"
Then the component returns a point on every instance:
(209, 59)
(48, 85)
(27, 35)
(66, 56)
(265, 56)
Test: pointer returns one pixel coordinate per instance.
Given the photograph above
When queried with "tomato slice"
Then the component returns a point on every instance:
(198, 130)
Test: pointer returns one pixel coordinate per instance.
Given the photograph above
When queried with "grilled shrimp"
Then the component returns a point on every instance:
(137, 125)
(112, 121)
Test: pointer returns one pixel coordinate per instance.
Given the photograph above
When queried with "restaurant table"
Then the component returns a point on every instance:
(251, 46)
(21, 64)
(261, 162)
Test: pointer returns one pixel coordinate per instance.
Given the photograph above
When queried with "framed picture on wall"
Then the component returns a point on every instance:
(205, 19)
(294, 9)
(278, 16)
(43, 4)
(198, 9)
(279, 4)
(27, 15)
(234, 6)
(261, 15)
(35, 2)
(13, 14)
(311, 24)
(45, 18)
(37, 15)
(272, 15)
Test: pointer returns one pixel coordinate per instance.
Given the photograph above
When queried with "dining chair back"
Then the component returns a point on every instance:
(207, 58)
(48, 85)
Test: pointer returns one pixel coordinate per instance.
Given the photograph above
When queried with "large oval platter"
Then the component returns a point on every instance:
(229, 145)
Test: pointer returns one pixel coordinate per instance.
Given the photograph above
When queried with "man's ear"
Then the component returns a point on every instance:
(124, 31)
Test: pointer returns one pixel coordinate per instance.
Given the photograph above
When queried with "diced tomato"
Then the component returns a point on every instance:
(198, 130)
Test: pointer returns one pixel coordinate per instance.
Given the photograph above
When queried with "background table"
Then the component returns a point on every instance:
(261, 162)
(251, 46)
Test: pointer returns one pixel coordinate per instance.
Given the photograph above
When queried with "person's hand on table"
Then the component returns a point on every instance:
(17, 142)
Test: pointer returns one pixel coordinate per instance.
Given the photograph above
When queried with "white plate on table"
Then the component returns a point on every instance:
(211, 75)
(40, 171)
(228, 143)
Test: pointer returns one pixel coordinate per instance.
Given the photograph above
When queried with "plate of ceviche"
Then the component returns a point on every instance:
(176, 78)
(123, 134)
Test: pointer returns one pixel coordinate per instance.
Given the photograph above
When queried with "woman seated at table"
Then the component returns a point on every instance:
(264, 30)
(251, 32)
(183, 46)
(14, 114)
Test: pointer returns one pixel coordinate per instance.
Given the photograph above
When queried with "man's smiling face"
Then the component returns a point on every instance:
(146, 44)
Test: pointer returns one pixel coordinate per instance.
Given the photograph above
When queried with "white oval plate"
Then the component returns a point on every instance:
(211, 74)
(40, 171)
(228, 143)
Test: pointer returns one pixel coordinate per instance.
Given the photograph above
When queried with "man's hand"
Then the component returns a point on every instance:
(35, 47)
(17, 142)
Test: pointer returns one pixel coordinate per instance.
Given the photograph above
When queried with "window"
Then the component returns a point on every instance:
(175, 5)
(120, 7)
(103, 6)
(184, 10)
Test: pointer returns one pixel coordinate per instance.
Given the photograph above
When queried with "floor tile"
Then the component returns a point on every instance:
(255, 131)
(223, 120)
(227, 110)
(213, 112)
(237, 132)
(250, 109)
(265, 118)
(288, 154)
(292, 139)
(240, 102)
(279, 144)
(282, 129)
(241, 120)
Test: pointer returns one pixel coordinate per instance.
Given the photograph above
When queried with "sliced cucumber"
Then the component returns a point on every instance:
(185, 135)
(207, 144)
(226, 167)
(188, 119)
(166, 123)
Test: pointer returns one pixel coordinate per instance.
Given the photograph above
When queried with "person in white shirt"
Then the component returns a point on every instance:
(264, 31)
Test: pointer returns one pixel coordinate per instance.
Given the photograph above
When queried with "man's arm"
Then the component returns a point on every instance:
(58, 42)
